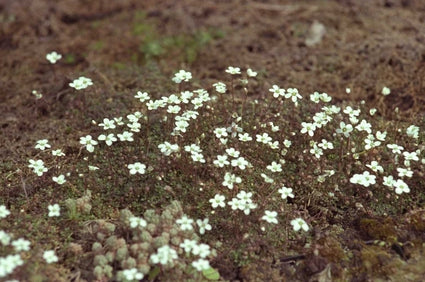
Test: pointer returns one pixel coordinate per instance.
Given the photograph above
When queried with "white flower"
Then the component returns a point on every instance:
(201, 250)
(173, 109)
(126, 136)
(293, 94)
(21, 245)
(270, 217)
(137, 167)
(286, 192)
(109, 139)
(164, 255)
(50, 256)
(185, 223)
(203, 225)
(81, 83)
(107, 124)
(266, 178)
(221, 161)
(201, 264)
(132, 274)
(277, 91)
(401, 187)
(370, 142)
(344, 129)
(325, 145)
(275, 167)
(308, 127)
(37, 166)
(264, 138)
(54, 210)
(42, 144)
(182, 76)
(53, 57)
(88, 142)
(188, 245)
(402, 172)
(396, 149)
(251, 73)
(220, 87)
(136, 222)
(232, 152)
(381, 135)
(298, 224)
(374, 165)
(244, 137)
(413, 131)
(389, 181)
(4, 212)
(365, 179)
(220, 132)
(58, 153)
(385, 91)
(217, 201)
(364, 126)
(233, 70)
(60, 179)
(316, 151)
(240, 162)
(4, 239)
(142, 96)
(168, 148)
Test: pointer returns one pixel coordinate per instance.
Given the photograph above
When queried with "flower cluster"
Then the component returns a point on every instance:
(81, 83)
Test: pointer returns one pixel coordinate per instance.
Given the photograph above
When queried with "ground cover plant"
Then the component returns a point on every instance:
(197, 166)
(131, 150)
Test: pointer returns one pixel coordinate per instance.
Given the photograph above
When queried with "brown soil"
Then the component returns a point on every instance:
(367, 45)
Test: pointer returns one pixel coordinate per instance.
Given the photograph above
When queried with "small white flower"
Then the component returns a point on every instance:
(374, 165)
(220, 132)
(201, 250)
(277, 91)
(4, 212)
(21, 245)
(188, 245)
(54, 210)
(220, 87)
(413, 131)
(201, 264)
(60, 179)
(308, 127)
(251, 73)
(344, 129)
(182, 75)
(385, 91)
(275, 167)
(126, 136)
(185, 223)
(42, 144)
(286, 192)
(4, 239)
(218, 201)
(50, 256)
(81, 83)
(221, 161)
(232, 152)
(270, 217)
(244, 137)
(137, 167)
(233, 70)
(132, 274)
(136, 222)
(203, 225)
(107, 124)
(142, 96)
(298, 224)
(401, 187)
(53, 57)
(58, 153)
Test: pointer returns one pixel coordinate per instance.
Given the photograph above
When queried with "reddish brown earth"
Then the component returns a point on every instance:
(367, 45)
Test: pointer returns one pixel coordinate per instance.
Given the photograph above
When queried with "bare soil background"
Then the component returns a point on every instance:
(367, 45)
